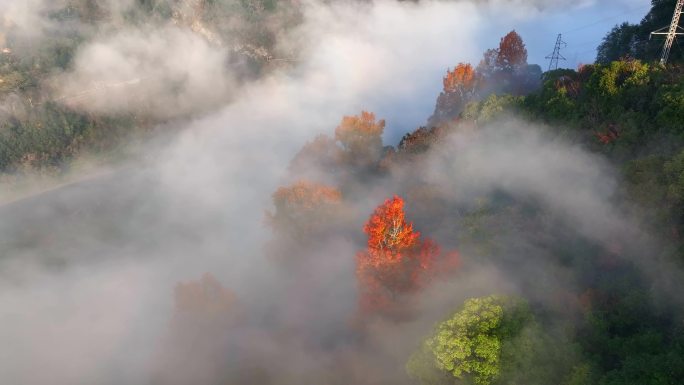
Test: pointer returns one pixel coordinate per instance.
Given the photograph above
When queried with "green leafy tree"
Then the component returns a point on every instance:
(468, 345)
(494, 340)
(670, 106)
(620, 42)
(491, 108)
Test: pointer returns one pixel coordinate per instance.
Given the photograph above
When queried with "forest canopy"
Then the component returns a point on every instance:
(257, 213)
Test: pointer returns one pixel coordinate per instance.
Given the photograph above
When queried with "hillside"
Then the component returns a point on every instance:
(237, 225)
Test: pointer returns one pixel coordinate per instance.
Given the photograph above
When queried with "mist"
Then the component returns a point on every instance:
(88, 270)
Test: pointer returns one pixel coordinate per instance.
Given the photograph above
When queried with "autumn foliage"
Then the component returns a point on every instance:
(512, 53)
(361, 139)
(356, 146)
(205, 298)
(608, 136)
(502, 70)
(461, 79)
(421, 140)
(396, 261)
(460, 86)
(303, 207)
(388, 230)
(361, 130)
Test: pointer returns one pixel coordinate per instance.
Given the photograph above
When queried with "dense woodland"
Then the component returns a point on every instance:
(609, 325)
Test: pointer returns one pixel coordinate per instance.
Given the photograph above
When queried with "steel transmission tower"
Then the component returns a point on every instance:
(672, 32)
(556, 55)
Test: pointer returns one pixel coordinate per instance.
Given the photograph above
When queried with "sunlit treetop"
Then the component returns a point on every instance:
(468, 345)
(360, 130)
(512, 52)
(461, 77)
(395, 263)
(388, 229)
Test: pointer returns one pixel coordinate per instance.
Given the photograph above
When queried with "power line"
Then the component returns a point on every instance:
(585, 51)
(586, 43)
(628, 11)
(597, 22)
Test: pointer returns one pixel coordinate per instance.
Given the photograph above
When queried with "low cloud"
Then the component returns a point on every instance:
(89, 270)
(160, 72)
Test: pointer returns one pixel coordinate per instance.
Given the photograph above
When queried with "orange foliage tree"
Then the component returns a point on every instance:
(205, 298)
(460, 80)
(302, 208)
(396, 261)
(360, 130)
(357, 142)
(361, 137)
(460, 85)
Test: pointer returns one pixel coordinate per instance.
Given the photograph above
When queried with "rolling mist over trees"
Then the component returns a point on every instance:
(250, 225)
(68, 86)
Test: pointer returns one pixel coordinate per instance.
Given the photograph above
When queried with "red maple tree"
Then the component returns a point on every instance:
(512, 52)
(396, 261)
